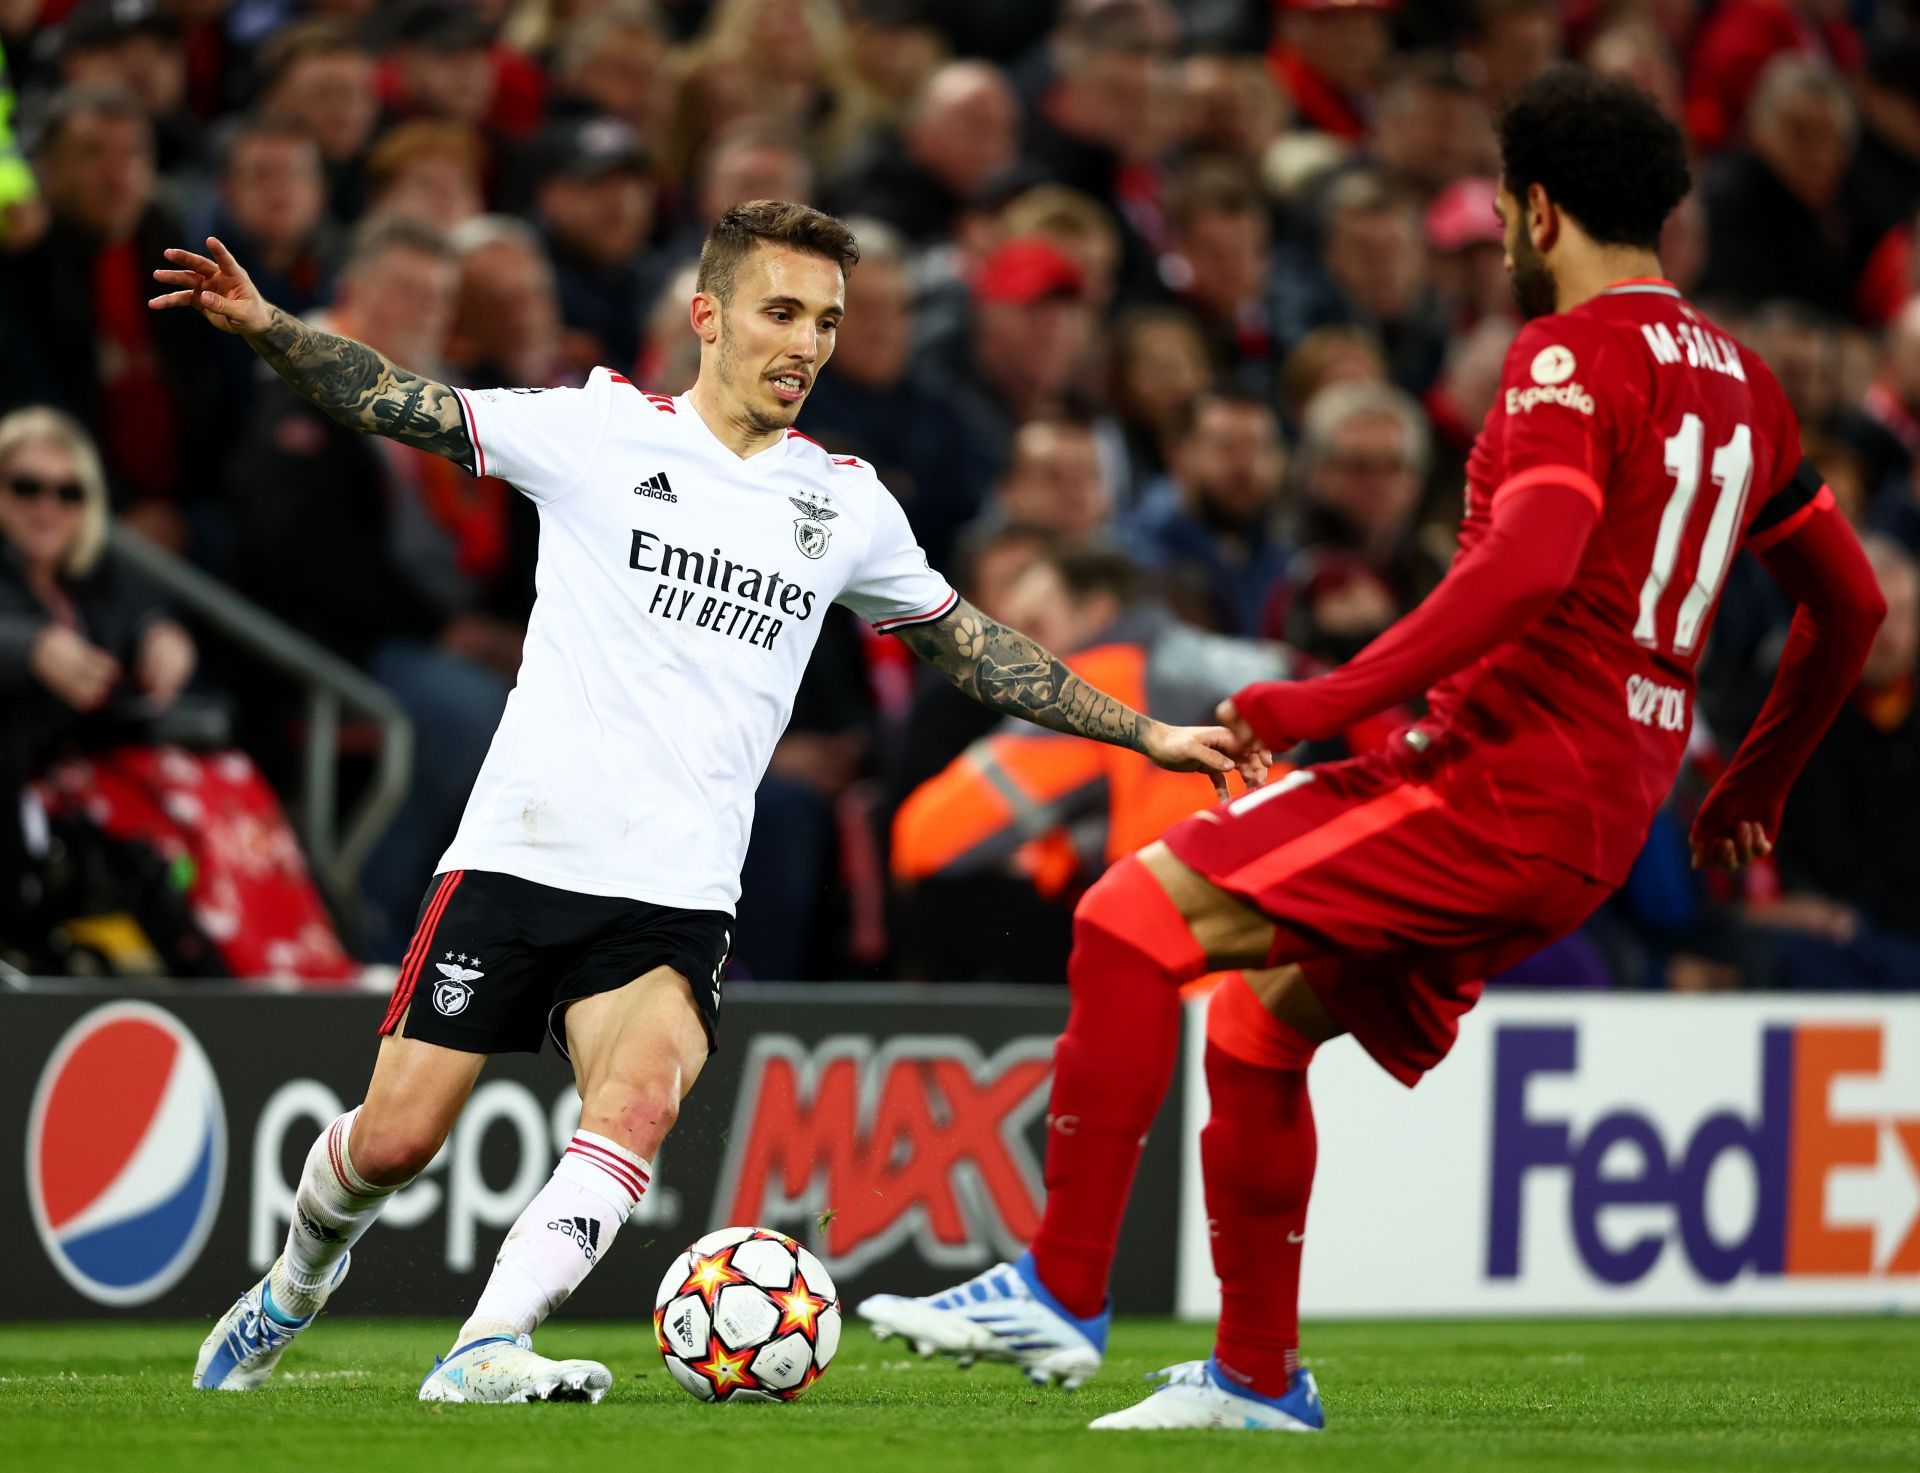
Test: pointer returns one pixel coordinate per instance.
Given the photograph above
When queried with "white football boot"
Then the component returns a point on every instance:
(246, 1343)
(499, 1368)
(1004, 1314)
(1196, 1394)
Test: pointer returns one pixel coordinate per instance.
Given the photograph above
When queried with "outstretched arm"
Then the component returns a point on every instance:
(350, 381)
(1526, 559)
(1005, 671)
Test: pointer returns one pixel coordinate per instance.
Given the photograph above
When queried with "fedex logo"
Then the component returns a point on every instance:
(1632, 1197)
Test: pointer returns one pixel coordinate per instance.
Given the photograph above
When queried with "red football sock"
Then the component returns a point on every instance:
(1111, 1069)
(1256, 1157)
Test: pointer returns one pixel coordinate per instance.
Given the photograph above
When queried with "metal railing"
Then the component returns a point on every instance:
(332, 685)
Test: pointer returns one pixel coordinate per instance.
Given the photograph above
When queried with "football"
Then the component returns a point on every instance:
(747, 1314)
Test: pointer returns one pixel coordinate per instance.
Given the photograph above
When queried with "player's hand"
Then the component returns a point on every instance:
(215, 287)
(1213, 750)
(1747, 842)
(77, 671)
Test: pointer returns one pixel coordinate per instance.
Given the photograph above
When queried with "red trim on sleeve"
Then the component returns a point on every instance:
(473, 433)
(1551, 475)
(619, 378)
(888, 626)
(1779, 533)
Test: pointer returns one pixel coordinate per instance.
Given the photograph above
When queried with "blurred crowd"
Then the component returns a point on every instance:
(1174, 323)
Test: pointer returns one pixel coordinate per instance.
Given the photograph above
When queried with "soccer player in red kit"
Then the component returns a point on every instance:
(1633, 450)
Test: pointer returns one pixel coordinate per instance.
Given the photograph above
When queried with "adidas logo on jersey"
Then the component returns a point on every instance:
(656, 487)
(583, 1231)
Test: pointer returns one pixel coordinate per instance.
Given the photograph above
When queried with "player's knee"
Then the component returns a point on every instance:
(391, 1153)
(637, 1110)
(1128, 907)
(1241, 1023)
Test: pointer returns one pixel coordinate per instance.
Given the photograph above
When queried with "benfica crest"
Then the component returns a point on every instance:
(808, 533)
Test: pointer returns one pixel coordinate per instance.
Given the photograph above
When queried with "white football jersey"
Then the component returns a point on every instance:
(680, 590)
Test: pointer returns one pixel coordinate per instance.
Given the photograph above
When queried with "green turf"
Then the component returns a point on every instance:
(1726, 1395)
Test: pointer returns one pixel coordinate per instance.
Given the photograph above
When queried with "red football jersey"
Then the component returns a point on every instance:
(1564, 741)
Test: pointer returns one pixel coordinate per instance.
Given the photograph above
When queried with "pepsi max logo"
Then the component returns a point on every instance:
(126, 1153)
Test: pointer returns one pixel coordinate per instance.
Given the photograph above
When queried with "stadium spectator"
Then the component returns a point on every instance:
(1159, 364)
(1075, 223)
(1513, 41)
(389, 556)
(1738, 42)
(320, 77)
(273, 209)
(1327, 355)
(1110, 111)
(1219, 265)
(1887, 164)
(960, 133)
(431, 171)
(1029, 334)
(1433, 127)
(755, 158)
(596, 201)
(445, 63)
(78, 637)
(134, 46)
(615, 62)
(1636, 49)
(1056, 481)
(1886, 428)
(1209, 529)
(1466, 254)
(1852, 902)
(1327, 55)
(79, 333)
(881, 406)
(1362, 459)
(506, 322)
(794, 58)
(1372, 274)
(1777, 222)
(1230, 106)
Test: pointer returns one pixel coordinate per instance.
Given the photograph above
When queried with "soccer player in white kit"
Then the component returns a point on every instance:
(689, 547)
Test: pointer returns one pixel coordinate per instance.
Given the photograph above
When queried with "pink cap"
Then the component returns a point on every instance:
(1462, 215)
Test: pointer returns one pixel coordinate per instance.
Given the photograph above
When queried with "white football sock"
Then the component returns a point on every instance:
(555, 1243)
(332, 1208)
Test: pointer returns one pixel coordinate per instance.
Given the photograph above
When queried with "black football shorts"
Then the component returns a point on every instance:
(495, 960)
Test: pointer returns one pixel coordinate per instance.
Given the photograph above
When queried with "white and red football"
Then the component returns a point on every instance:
(747, 1314)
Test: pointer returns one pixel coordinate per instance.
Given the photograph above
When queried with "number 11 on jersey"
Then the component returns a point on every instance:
(1732, 472)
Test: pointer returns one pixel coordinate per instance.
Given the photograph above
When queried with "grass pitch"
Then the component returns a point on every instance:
(1645, 1395)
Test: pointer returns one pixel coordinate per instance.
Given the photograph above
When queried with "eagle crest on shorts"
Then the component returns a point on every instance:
(808, 535)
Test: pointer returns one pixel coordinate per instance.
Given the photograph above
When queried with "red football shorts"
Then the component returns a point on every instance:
(1394, 908)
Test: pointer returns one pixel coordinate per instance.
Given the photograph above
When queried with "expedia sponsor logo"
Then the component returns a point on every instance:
(916, 1140)
(1572, 396)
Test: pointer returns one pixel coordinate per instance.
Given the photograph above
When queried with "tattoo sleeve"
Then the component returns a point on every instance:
(363, 390)
(1005, 671)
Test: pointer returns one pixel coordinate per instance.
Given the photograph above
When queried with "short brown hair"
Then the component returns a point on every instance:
(406, 144)
(780, 222)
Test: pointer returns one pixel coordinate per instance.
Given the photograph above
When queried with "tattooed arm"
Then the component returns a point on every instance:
(1005, 671)
(349, 380)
